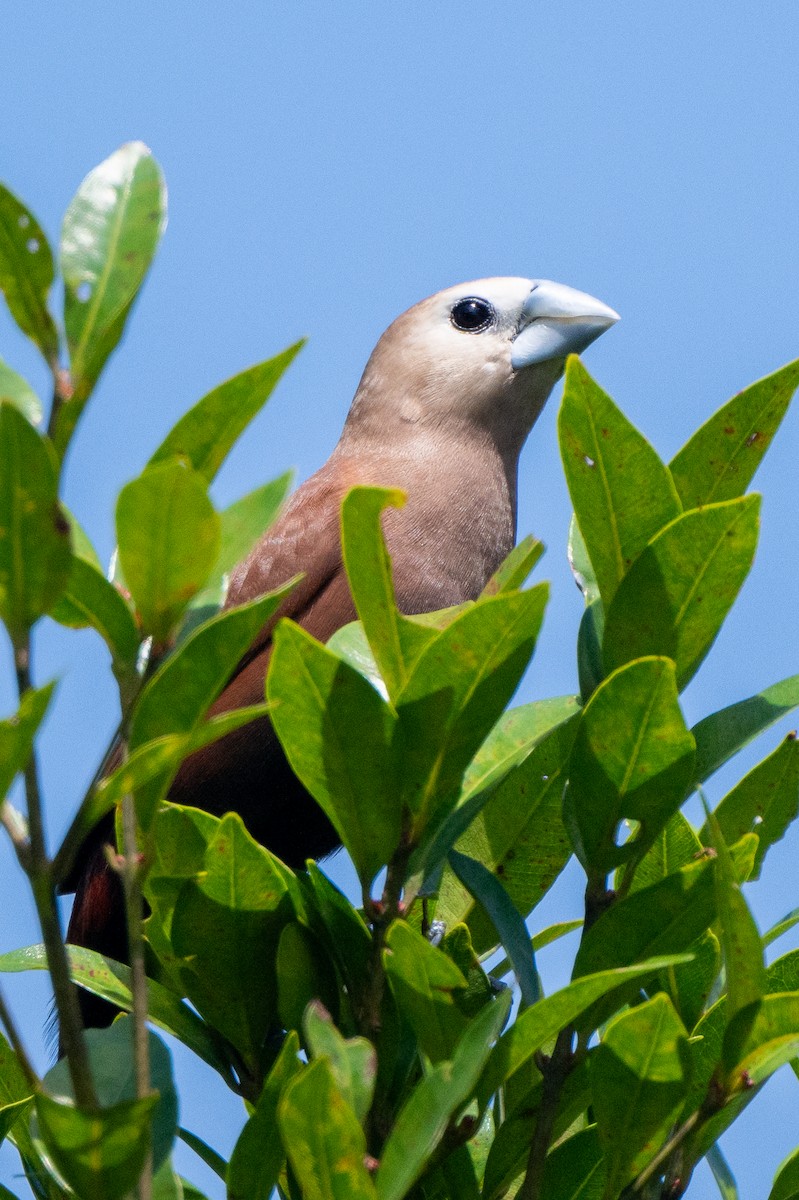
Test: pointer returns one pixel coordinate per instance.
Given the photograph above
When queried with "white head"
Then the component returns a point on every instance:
(484, 354)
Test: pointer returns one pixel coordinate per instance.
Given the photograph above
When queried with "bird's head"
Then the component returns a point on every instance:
(486, 353)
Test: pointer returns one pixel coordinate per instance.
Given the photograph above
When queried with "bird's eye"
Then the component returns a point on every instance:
(472, 315)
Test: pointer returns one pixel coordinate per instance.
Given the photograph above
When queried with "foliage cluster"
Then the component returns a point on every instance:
(377, 1049)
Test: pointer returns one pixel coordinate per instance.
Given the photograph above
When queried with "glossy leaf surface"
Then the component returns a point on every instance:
(638, 1073)
(110, 234)
(633, 758)
(337, 734)
(168, 536)
(676, 596)
(206, 434)
(322, 1137)
(33, 530)
(26, 273)
(622, 493)
(718, 462)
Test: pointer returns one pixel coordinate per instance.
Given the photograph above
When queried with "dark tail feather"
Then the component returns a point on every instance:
(98, 922)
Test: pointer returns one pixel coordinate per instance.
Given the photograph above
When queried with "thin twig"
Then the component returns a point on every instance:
(672, 1144)
(15, 1041)
(556, 1072)
(14, 825)
(41, 880)
(131, 880)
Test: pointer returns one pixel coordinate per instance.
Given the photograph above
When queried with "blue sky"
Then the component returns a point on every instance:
(328, 165)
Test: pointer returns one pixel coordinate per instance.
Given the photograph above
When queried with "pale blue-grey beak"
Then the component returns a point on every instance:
(557, 320)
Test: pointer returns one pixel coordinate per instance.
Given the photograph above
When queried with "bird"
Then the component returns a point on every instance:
(446, 401)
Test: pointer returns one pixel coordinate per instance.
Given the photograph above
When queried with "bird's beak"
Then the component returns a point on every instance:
(557, 320)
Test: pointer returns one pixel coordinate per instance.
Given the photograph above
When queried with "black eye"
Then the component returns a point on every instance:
(472, 315)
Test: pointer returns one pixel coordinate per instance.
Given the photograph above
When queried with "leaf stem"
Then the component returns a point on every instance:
(556, 1071)
(7, 1021)
(130, 870)
(39, 871)
(381, 916)
(62, 392)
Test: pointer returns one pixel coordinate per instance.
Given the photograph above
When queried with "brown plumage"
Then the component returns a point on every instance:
(445, 404)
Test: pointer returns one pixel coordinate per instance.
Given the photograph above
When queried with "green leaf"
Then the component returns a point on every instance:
(35, 554)
(788, 922)
(678, 592)
(26, 273)
(538, 1025)
(18, 732)
(368, 569)
(518, 835)
(507, 921)
(764, 802)
(16, 389)
(205, 1152)
(205, 435)
(590, 668)
(622, 493)
(740, 940)
(304, 975)
(758, 1042)
(241, 525)
(575, 1168)
(101, 1152)
(258, 1155)
(11, 1113)
(633, 759)
(425, 981)
(725, 1180)
(455, 693)
(321, 1134)
(510, 1152)
(638, 1073)
(90, 601)
(168, 535)
(513, 571)
(111, 1055)
(722, 734)
(111, 980)
(226, 927)
(15, 1088)
(690, 984)
(344, 930)
(786, 1181)
(580, 563)
(353, 1061)
(337, 735)
(177, 697)
(517, 732)
(718, 462)
(110, 234)
(662, 919)
(423, 1119)
(675, 846)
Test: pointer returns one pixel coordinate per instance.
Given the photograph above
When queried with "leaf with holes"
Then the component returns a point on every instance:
(764, 802)
(111, 231)
(633, 759)
(26, 273)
